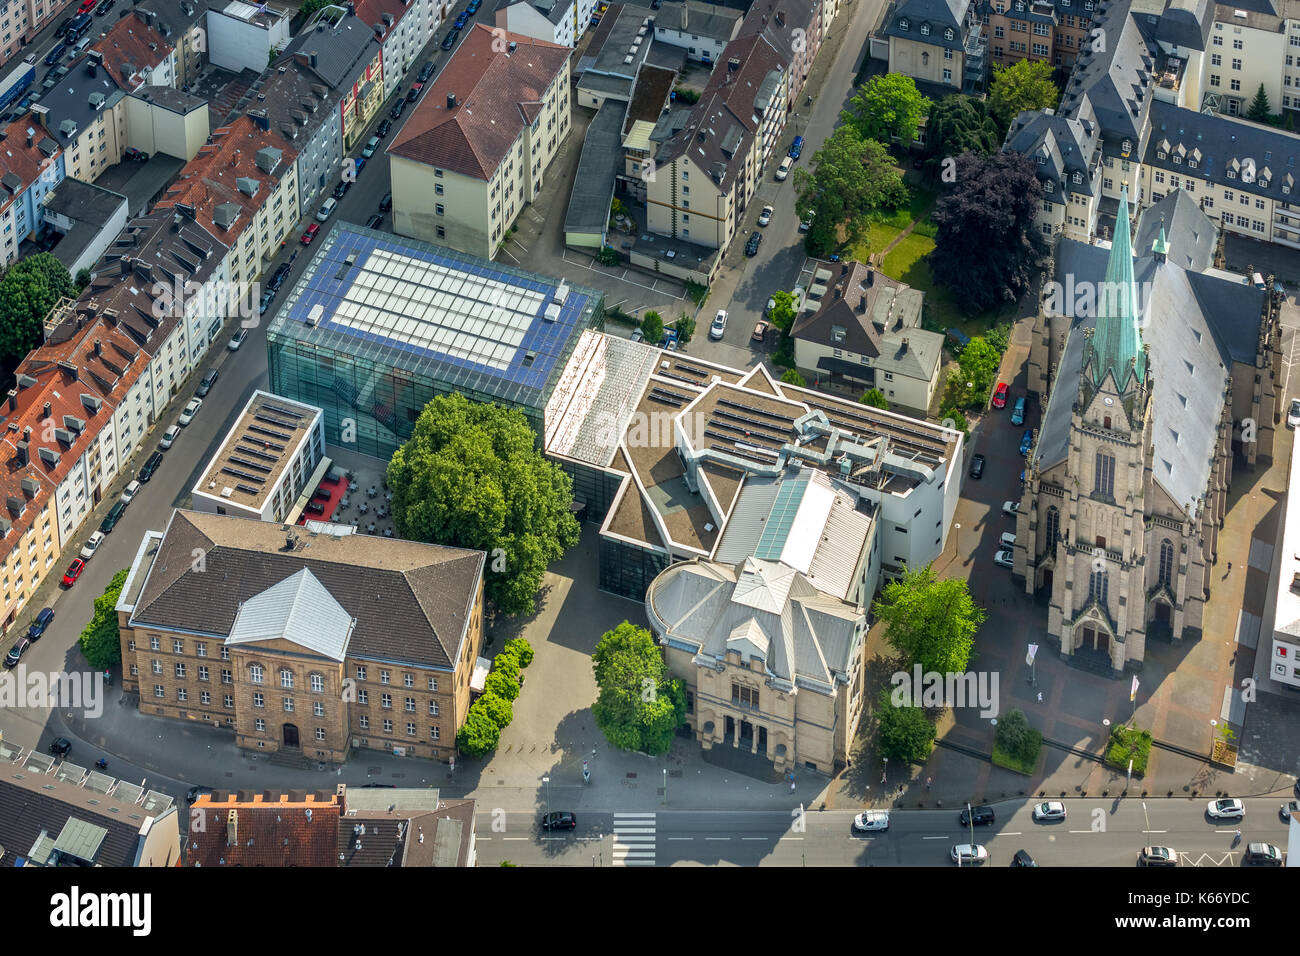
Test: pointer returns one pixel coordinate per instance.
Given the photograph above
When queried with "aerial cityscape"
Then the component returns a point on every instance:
(518, 433)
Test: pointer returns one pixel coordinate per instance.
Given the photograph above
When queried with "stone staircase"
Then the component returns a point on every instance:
(289, 758)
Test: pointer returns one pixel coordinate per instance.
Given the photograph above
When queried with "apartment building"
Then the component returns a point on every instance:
(795, 29)
(1067, 155)
(21, 20)
(1284, 647)
(563, 22)
(1044, 31)
(85, 114)
(291, 99)
(244, 36)
(322, 644)
(479, 142)
(88, 217)
(344, 54)
(703, 30)
(134, 54)
(184, 24)
(939, 43)
(31, 165)
(403, 28)
(160, 119)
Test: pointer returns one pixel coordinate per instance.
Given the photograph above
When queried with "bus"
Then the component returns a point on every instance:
(15, 84)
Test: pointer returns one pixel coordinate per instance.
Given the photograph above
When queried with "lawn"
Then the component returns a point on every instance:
(1129, 743)
(1016, 763)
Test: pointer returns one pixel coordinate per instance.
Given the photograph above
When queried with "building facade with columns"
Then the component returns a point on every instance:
(1160, 370)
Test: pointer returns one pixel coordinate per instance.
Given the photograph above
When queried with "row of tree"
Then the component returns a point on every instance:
(493, 711)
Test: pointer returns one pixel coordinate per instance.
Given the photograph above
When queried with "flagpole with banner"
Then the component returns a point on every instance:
(1029, 659)
(1133, 694)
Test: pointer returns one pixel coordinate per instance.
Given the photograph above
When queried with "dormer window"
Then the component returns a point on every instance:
(1263, 182)
(1286, 190)
(948, 34)
(1232, 174)
(1042, 160)
(925, 29)
(1078, 177)
(904, 24)
(1087, 4)
(1177, 158)
(1049, 185)
(837, 334)
(1020, 6)
(1126, 147)
(1191, 163)
(1161, 154)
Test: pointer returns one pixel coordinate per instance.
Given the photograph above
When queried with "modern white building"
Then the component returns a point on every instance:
(1284, 647)
(556, 21)
(703, 30)
(242, 35)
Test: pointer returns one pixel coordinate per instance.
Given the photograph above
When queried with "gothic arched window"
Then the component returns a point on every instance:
(1104, 479)
(1166, 563)
(1099, 586)
(1053, 527)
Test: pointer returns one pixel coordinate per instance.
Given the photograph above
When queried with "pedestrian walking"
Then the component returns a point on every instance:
(927, 782)
(1040, 696)
(1229, 565)
(792, 786)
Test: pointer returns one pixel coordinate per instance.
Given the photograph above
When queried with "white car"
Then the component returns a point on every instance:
(783, 170)
(869, 820)
(1007, 541)
(1228, 808)
(1293, 414)
(765, 216)
(93, 542)
(169, 437)
(237, 339)
(1051, 810)
(968, 854)
(130, 491)
(191, 410)
(327, 209)
(719, 325)
(1004, 559)
(1011, 508)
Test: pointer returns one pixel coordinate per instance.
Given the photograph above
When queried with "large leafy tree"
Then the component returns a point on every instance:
(987, 247)
(906, 733)
(958, 124)
(782, 314)
(886, 106)
(852, 178)
(471, 476)
(932, 622)
(979, 363)
(99, 639)
(640, 705)
(29, 289)
(1024, 85)
(875, 398)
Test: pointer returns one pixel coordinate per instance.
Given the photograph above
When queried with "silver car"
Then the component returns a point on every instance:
(1049, 811)
(968, 854)
(871, 820)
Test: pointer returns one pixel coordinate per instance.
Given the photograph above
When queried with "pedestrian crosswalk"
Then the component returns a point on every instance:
(634, 839)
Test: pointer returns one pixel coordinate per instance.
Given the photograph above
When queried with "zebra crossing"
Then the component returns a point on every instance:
(634, 839)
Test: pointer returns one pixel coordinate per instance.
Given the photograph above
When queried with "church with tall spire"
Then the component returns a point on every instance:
(1158, 373)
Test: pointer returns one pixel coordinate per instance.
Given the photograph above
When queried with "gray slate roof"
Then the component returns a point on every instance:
(341, 49)
(699, 19)
(939, 14)
(1065, 145)
(70, 101)
(1186, 24)
(593, 187)
(1191, 235)
(1111, 80)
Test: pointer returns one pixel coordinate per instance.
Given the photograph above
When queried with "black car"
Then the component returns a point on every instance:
(267, 298)
(150, 466)
(38, 626)
(396, 111)
(983, 816)
(115, 513)
(61, 746)
(449, 40)
(977, 466)
(559, 820)
(314, 508)
(751, 247)
(195, 792)
(1022, 858)
(426, 71)
(63, 27)
(342, 187)
(53, 56)
(413, 94)
(386, 203)
(104, 7)
(16, 652)
(205, 385)
(278, 277)
(378, 786)
(383, 127)
(321, 494)
(375, 221)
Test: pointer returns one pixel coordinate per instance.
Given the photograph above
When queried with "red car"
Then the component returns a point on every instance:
(1000, 396)
(87, 6)
(310, 234)
(74, 571)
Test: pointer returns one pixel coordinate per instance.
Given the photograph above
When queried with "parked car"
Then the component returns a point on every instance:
(1287, 809)
(341, 188)
(449, 40)
(719, 325)
(169, 436)
(1004, 558)
(384, 126)
(93, 542)
(1226, 808)
(86, 6)
(63, 27)
(461, 20)
(559, 820)
(1157, 856)
(104, 7)
(278, 277)
(190, 410)
(43, 620)
(358, 165)
(310, 234)
(796, 148)
(53, 56)
(760, 331)
(968, 854)
(149, 467)
(414, 93)
(869, 821)
(1293, 414)
(783, 170)
(193, 793)
(396, 111)
(1050, 811)
(1022, 858)
(1008, 540)
(426, 71)
(473, 7)
(135, 155)
(267, 298)
(751, 247)
(372, 146)
(765, 216)
(327, 209)
(237, 339)
(205, 384)
(638, 335)
(321, 494)
(806, 224)
(977, 466)
(130, 491)
(1018, 411)
(386, 203)
(17, 651)
(1262, 854)
(1027, 442)
(74, 571)
(375, 221)
(112, 518)
(1000, 396)
(983, 816)
(60, 746)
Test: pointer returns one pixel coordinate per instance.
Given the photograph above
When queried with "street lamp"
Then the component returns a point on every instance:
(956, 538)
(547, 780)
(665, 786)
(1146, 816)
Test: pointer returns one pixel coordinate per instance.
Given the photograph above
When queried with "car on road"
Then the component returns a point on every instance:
(61, 746)
(1000, 396)
(386, 202)
(559, 820)
(74, 571)
(190, 410)
(93, 542)
(983, 816)
(869, 821)
(310, 234)
(968, 854)
(396, 111)
(751, 247)
(267, 298)
(278, 277)
(384, 126)
(112, 518)
(17, 651)
(237, 339)
(193, 793)
(1288, 808)
(53, 56)
(718, 327)
(1022, 858)
(638, 335)
(1226, 808)
(1005, 558)
(358, 165)
(461, 19)
(1293, 414)
(1049, 811)
(1262, 854)
(327, 209)
(169, 436)
(149, 467)
(63, 27)
(796, 148)
(341, 188)
(765, 216)
(473, 7)
(414, 93)
(449, 40)
(1018, 412)
(760, 331)
(1027, 442)
(38, 626)
(372, 146)
(104, 7)
(1011, 508)
(375, 221)
(205, 384)
(130, 491)
(783, 170)
(806, 224)
(426, 71)
(1007, 540)
(86, 7)
(977, 466)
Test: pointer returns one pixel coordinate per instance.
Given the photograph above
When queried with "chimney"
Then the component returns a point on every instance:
(232, 828)
(46, 412)
(311, 59)
(904, 348)
(99, 347)
(23, 457)
(451, 101)
(13, 399)
(352, 9)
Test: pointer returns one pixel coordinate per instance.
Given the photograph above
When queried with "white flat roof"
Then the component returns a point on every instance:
(1286, 622)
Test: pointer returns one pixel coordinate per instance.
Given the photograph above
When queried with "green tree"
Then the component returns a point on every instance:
(886, 106)
(932, 622)
(503, 685)
(1014, 735)
(1259, 110)
(30, 288)
(782, 313)
(792, 377)
(506, 663)
(480, 734)
(83, 279)
(497, 709)
(852, 178)
(652, 327)
(521, 649)
(906, 733)
(875, 398)
(640, 705)
(471, 476)
(958, 124)
(979, 364)
(311, 6)
(99, 639)
(953, 418)
(1025, 85)
(685, 326)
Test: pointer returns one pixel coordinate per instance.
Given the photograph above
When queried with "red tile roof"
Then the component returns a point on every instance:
(371, 13)
(275, 828)
(497, 93)
(129, 47)
(20, 159)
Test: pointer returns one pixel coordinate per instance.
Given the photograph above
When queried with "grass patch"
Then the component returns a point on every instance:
(697, 292)
(1128, 743)
(1017, 764)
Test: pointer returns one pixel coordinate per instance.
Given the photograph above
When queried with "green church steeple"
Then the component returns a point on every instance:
(1116, 344)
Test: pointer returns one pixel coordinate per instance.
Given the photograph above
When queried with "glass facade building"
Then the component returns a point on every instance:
(379, 325)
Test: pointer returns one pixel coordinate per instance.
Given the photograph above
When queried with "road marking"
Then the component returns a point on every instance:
(1013, 833)
(717, 838)
(634, 841)
(937, 838)
(1088, 831)
(514, 838)
(681, 838)
(753, 838)
(1155, 831)
(791, 838)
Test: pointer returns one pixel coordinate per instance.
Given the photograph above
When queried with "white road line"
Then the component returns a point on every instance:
(1083, 831)
(514, 838)
(754, 838)
(681, 838)
(717, 838)
(634, 839)
(936, 838)
(1155, 831)
(791, 838)
(1011, 833)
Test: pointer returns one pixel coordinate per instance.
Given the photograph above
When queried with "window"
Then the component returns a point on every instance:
(1166, 576)
(363, 722)
(1236, 63)
(259, 700)
(1104, 479)
(947, 76)
(433, 684)
(437, 189)
(255, 673)
(1053, 527)
(433, 708)
(1214, 79)
(154, 644)
(410, 705)
(227, 677)
(288, 705)
(363, 697)
(438, 209)
(259, 725)
(182, 694)
(318, 709)
(317, 683)
(286, 678)
(156, 666)
(320, 733)
(384, 677)
(434, 733)
(180, 669)
(1099, 587)
(159, 690)
(200, 649)
(361, 673)
(410, 729)
(228, 700)
(408, 680)
(386, 701)
(744, 696)
(388, 726)
(948, 34)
